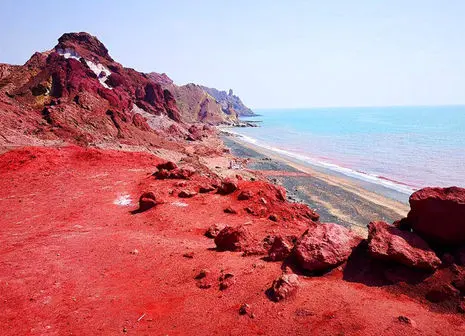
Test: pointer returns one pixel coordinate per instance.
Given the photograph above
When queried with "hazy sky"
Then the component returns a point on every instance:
(272, 53)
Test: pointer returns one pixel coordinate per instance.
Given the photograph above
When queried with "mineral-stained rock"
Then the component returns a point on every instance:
(232, 238)
(169, 165)
(324, 246)
(213, 230)
(177, 173)
(227, 187)
(442, 293)
(280, 249)
(283, 287)
(147, 200)
(391, 244)
(273, 217)
(226, 280)
(438, 215)
(187, 193)
(230, 210)
(206, 188)
(245, 195)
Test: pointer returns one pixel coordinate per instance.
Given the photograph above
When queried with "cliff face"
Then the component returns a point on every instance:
(194, 103)
(228, 101)
(76, 92)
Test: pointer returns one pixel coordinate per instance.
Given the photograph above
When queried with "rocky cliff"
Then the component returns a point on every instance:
(194, 103)
(76, 92)
(228, 100)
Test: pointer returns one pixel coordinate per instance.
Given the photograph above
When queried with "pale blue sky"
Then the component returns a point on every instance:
(272, 53)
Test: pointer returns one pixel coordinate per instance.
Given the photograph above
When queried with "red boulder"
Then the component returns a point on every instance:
(389, 243)
(283, 287)
(232, 238)
(227, 187)
(147, 200)
(438, 215)
(324, 246)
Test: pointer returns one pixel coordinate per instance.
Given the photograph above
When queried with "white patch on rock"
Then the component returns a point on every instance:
(96, 68)
(123, 200)
(179, 204)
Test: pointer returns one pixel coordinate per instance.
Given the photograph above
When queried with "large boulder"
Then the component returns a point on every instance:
(438, 215)
(324, 246)
(391, 244)
(233, 238)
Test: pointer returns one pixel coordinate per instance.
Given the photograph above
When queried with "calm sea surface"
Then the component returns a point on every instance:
(405, 148)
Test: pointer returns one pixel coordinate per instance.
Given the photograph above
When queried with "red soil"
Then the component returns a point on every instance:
(74, 262)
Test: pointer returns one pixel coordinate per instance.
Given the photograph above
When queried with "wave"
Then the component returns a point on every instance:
(360, 175)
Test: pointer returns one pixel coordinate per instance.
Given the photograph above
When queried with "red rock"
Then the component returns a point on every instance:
(245, 195)
(442, 293)
(168, 165)
(226, 280)
(283, 287)
(233, 238)
(213, 230)
(324, 247)
(438, 215)
(206, 189)
(245, 309)
(177, 173)
(280, 249)
(147, 201)
(391, 244)
(227, 187)
(182, 173)
(187, 193)
(273, 217)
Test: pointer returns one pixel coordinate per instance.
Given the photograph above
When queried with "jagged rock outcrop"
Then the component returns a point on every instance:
(76, 92)
(194, 103)
(438, 215)
(229, 101)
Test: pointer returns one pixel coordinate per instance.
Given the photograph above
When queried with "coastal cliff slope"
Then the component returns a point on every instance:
(120, 216)
(228, 100)
(76, 92)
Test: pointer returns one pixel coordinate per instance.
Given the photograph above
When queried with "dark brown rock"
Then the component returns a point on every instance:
(187, 193)
(280, 249)
(147, 201)
(227, 187)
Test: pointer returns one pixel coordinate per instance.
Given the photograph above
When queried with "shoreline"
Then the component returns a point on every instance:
(338, 198)
(385, 185)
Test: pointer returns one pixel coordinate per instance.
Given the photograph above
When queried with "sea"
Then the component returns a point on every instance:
(402, 148)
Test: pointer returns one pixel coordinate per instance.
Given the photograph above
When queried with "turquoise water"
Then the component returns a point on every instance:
(405, 148)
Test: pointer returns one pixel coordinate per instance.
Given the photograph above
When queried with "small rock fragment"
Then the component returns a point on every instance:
(169, 165)
(230, 210)
(226, 280)
(245, 195)
(147, 201)
(188, 255)
(206, 189)
(273, 217)
(280, 249)
(283, 287)
(232, 238)
(186, 194)
(245, 309)
(406, 320)
(227, 187)
(213, 230)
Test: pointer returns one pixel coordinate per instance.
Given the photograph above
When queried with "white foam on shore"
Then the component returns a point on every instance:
(367, 177)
